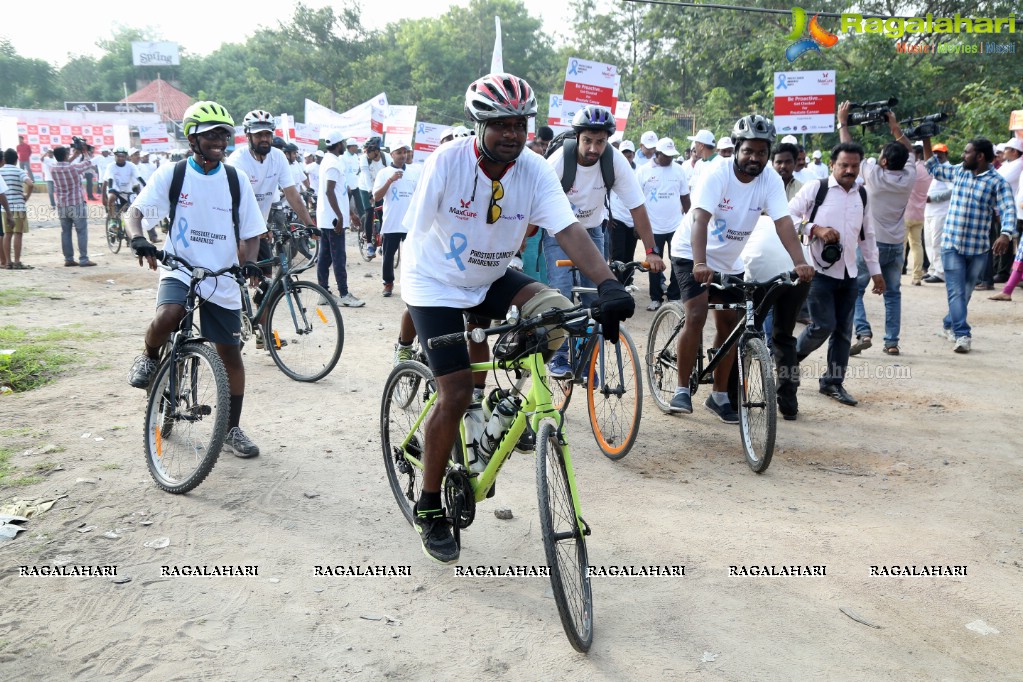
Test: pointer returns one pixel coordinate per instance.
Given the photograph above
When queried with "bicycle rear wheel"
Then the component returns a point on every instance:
(408, 387)
(305, 332)
(614, 395)
(185, 430)
(758, 411)
(661, 354)
(563, 540)
(115, 234)
(302, 251)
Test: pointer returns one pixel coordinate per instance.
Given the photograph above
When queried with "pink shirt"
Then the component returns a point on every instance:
(844, 212)
(918, 197)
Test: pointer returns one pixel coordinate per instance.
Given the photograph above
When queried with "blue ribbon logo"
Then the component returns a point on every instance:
(653, 195)
(422, 129)
(573, 67)
(179, 233)
(457, 247)
(394, 193)
(719, 229)
(782, 85)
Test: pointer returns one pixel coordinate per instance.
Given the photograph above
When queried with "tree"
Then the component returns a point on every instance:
(26, 83)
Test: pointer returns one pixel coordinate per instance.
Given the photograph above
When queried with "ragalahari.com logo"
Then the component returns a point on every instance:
(819, 36)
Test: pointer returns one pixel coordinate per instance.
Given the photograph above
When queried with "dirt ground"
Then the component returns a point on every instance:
(926, 471)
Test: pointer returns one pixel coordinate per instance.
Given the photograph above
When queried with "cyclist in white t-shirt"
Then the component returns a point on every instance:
(371, 163)
(727, 201)
(468, 216)
(121, 176)
(666, 193)
(590, 198)
(394, 187)
(204, 234)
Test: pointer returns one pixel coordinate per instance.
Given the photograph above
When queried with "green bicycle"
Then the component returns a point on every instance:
(409, 395)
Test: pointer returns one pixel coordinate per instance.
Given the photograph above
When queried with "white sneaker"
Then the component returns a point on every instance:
(963, 344)
(948, 334)
(350, 301)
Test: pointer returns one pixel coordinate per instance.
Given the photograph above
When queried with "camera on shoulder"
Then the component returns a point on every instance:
(77, 143)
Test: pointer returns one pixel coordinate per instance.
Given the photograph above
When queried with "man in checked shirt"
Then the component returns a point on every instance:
(977, 193)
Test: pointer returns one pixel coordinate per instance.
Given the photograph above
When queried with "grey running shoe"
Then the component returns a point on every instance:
(142, 371)
(240, 444)
(350, 301)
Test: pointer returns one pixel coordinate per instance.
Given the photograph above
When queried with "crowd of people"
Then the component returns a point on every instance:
(483, 222)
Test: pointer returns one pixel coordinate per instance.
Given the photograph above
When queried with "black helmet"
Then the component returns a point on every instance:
(291, 147)
(373, 143)
(592, 117)
(278, 142)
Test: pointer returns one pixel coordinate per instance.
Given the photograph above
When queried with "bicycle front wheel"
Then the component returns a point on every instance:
(758, 411)
(408, 387)
(563, 540)
(305, 333)
(186, 422)
(614, 395)
(302, 251)
(114, 234)
(661, 354)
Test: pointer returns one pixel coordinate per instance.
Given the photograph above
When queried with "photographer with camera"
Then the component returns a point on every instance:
(67, 177)
(832, 215)
(889, 182)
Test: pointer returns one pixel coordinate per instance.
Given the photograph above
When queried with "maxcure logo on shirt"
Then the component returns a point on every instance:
(463, 213)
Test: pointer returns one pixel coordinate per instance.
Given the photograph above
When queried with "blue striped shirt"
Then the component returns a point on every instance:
(975, 199)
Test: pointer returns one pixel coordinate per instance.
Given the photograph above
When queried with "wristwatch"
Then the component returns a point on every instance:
(653, 250)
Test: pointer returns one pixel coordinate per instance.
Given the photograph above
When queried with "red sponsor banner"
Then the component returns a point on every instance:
(804, 105)
(585, 93)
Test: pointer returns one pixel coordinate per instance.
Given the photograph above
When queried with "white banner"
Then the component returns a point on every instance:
(155, 54)
(154, 138)
(804, 102)
(554, 110)
(400, 124)
(307, 137)
(427, 139)
(360, 122)
(622, 111)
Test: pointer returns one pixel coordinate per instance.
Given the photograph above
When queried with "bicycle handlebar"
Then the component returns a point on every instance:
(642, 266)
(176, 263)
(732, 282)
(479, 335)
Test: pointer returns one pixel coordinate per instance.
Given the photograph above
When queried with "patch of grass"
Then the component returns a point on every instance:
(45, 466)
(38, 358)
(26, 480)
(111, 466)
(5, 463)
(16, 295)
(20, 431)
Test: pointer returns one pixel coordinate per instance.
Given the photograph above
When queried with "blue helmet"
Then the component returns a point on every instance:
(592, 117)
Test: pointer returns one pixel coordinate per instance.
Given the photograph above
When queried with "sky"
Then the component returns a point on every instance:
(33, 33)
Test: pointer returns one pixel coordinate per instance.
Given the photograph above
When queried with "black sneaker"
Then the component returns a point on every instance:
(142, 371)
(681, 403)
(438, 540)
(240, 444)
(724, 412)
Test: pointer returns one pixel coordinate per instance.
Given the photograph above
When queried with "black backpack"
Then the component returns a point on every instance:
(607, 168)
(178, 180)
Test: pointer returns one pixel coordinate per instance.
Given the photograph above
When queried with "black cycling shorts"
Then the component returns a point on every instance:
(217, 324)
(690, 288)
(431, 321)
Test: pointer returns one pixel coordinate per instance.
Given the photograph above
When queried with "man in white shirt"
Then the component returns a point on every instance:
(312, 171)
(726, 205)
(704, 153)
(666, 195)
(725, 147)
(646, 151)
(621, 227)
(204, 234)
(371, 162)
(470, 211)
(1012, 165)
(802, 172)
(121, 177)
(939, 195)
(394, 186)
(333, 215)
(819, 169)
(589, 197)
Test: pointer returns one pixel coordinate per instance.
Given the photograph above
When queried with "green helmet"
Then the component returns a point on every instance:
(203, 116)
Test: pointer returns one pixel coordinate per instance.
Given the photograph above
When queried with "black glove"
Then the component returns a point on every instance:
(250, 269)
(615, 304)
(142, 247)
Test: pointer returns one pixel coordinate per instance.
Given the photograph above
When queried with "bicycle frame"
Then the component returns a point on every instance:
(183, 335)
(535, 407)
(281, 280)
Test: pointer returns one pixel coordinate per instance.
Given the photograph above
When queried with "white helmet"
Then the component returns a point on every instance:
(257, 120)
(121, 150)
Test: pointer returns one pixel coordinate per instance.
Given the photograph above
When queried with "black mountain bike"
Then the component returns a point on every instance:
(189, 398)
(758, 410)
(116, 236)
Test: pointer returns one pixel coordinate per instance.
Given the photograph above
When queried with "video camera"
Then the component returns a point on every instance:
(78, 143)
(926, 126)
(870, 113)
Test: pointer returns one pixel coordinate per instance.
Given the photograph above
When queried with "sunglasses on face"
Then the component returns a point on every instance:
(215, 135)
(494, 212)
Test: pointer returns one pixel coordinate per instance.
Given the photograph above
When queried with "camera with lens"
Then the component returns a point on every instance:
(831, 253)
(78, 143)
(926, 126)
(870, 113)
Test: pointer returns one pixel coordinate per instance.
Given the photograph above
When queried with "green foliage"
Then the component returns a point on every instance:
(981, 113)
(38, 358)
(25, 83)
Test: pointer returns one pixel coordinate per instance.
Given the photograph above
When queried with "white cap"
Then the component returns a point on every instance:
(817, 154)
(617, 137)
(703, 137)
(627, 146)
(401, 145)
(789, 139)
(1015, 143)
(666, 146)
(726, 143)
(999, 148)
(318, 153)
(332, 137)
(649, 139)
(351, 142)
